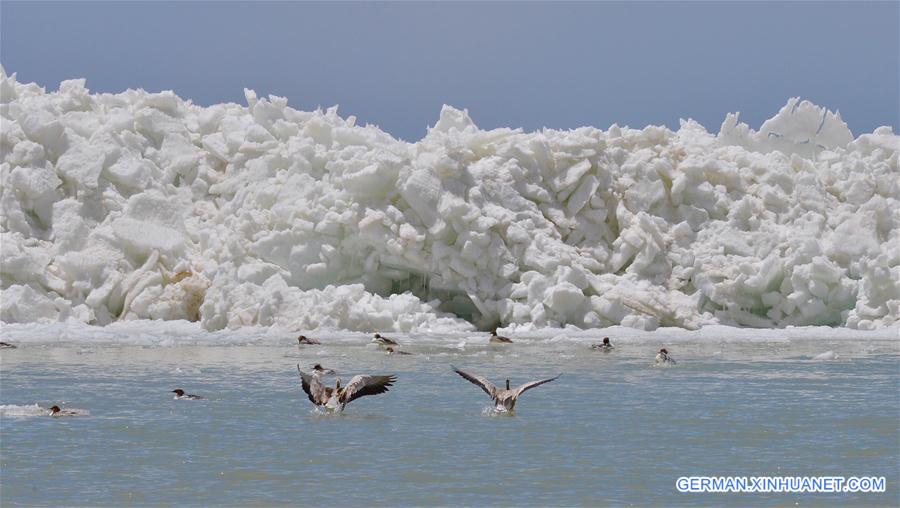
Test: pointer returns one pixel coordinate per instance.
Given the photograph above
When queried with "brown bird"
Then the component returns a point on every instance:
(7, 345)
(663, 358)
(303, 339)
(180, 395)
(606, 346)
(499, 339)
(322, 371)
(392, 351)
(336, 399)
(383, 341)
(56, 411)
(504, 400)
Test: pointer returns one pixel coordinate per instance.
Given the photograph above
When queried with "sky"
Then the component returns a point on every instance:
(530, 65)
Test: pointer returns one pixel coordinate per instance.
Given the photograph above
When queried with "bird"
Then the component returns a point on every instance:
(7, 345)
(180, 395)
(605, 346)
(499, 339)
(383, 341)
(56, 411)
(392, 351)
(303, 339)
(504, 400)
(663, 358)
(322, 371)
(336, 399)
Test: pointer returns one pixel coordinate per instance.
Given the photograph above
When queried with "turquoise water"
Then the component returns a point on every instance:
(612, 430)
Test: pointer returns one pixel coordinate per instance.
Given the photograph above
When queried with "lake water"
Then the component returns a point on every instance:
(612, 430)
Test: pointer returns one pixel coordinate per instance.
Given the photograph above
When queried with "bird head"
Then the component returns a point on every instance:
(54, 410)
(663, 351)
(178, 391)
(606, 341)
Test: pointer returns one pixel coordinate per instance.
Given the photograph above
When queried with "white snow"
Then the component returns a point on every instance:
(142, 205)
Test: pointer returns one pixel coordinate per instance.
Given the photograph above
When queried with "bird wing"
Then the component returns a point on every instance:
(485, 385)
(316, 393)
(527, 386)
(360, 386)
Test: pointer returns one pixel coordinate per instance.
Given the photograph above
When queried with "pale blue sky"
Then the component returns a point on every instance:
(528, 65)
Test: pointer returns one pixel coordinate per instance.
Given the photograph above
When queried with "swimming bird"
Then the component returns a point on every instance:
(504, 400)
(322, 371)
(303, 339)
(56, 411)
(336, 399)
(180, 395)
(663, 358)
(383, 341)
(499, 339)
(392, 351)
(605, 346)
(7, 345)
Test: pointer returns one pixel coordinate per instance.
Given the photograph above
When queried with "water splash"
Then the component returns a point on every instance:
(16, 411)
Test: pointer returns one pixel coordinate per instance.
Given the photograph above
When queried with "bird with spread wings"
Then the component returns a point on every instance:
(336, 398)
(504, 400)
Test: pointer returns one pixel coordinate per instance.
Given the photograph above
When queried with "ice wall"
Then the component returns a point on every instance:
(142, 205)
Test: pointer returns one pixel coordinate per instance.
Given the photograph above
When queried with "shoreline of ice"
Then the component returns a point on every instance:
(184, 333)
(140, 205)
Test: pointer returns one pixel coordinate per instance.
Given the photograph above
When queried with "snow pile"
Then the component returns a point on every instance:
(141, 205)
